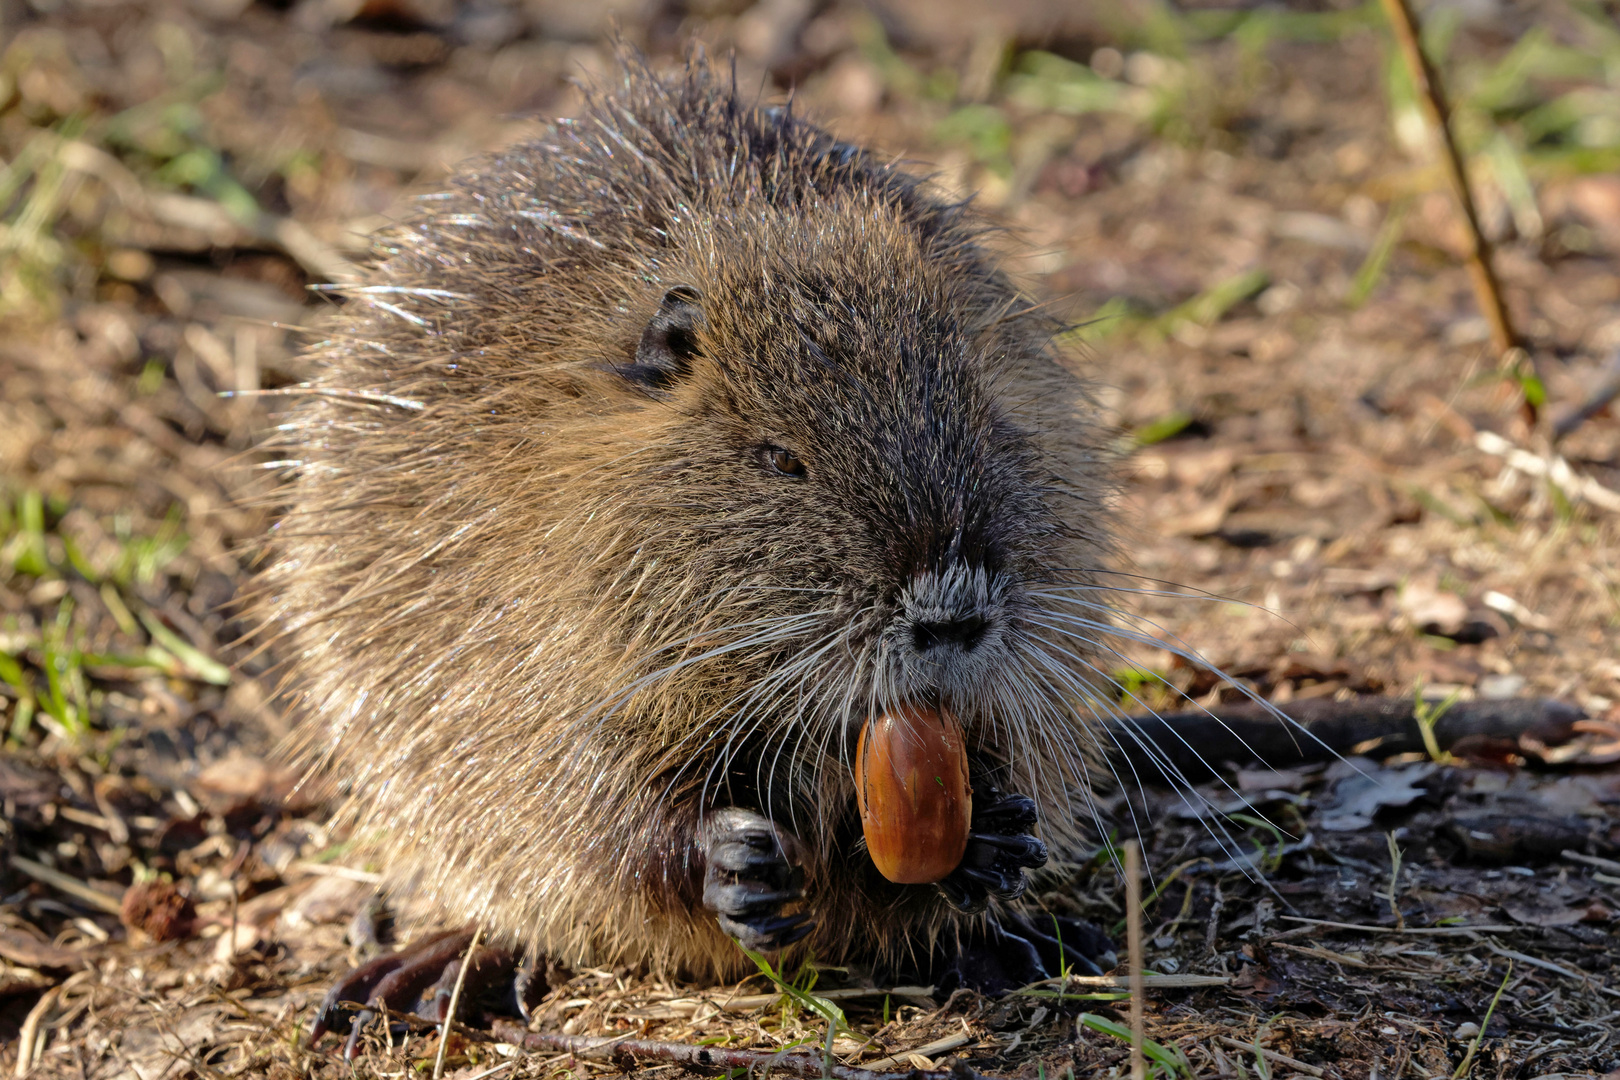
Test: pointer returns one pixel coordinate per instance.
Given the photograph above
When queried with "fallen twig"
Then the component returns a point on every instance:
(68, 884)
(1271, 1055)
(1593, 861)
(745, 1003)
(455, 1000)
(1176, 748)
(627, 1052)
(1123, 982)
(1133, 948)
(1548, 965)
(492, 1071)
(1322, 954)
(1434, 931)
(1606, 391)
(349, 873)
(28, 1042)
(1552, 466)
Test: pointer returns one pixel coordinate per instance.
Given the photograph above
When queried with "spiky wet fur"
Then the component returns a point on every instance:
(539, 615)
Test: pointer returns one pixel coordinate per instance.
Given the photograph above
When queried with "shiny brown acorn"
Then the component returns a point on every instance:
(911, 780)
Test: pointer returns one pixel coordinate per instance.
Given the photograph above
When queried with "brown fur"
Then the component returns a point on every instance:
(542, 615)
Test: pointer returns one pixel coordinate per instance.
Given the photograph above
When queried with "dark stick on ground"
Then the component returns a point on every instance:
(1190, 745)
(1599, 399)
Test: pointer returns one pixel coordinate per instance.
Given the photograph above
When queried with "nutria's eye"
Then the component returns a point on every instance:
(782, 461)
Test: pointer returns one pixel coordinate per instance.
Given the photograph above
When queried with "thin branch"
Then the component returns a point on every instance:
(455, 1000)
(1133, 940)
(68, 884)
(1272, 1055)
(1487, 292)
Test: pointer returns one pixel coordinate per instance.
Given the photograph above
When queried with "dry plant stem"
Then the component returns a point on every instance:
(236, 908)
(751, 1002)
(626, 1052)
(1592, 860)
(1548, 965)
(455, 1000)
(28, 1038)
(65, 883)
(1274, 1056)
(1434, 931)
(1118, 982)
(502, 1067)
(1133, 946)
(1394, 883)
(1426, 81)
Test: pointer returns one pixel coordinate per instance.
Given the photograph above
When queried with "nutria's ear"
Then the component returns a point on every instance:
(666, 349)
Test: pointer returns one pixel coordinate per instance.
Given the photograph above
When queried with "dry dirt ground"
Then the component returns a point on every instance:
(1241, 213)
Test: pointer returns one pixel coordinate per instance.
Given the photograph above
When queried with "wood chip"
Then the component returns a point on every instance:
(927, 1053)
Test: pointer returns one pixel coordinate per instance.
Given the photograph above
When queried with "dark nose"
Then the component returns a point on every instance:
(966, 632)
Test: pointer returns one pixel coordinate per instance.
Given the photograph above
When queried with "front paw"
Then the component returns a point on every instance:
(1000, 848)
(751, 872)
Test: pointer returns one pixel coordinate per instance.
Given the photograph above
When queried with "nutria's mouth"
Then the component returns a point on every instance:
(911, 782)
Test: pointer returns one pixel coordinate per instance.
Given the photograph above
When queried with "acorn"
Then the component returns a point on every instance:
(911, 781)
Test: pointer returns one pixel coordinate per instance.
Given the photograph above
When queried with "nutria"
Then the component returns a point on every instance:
(648, 462)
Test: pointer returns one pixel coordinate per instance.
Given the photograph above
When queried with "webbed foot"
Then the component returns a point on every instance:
(751, 873)
(1015, 950)
(421, 978)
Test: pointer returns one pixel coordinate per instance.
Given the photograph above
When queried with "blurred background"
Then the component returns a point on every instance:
(1237, 205)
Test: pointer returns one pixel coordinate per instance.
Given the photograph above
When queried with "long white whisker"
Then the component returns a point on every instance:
(1151, 750)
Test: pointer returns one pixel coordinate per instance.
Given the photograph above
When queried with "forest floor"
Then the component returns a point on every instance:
(1240, 211)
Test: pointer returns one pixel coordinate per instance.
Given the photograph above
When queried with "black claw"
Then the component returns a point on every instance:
(798, 933)
(362, 1020)
(999, 850)
(751, 873)
(353, 988)
(774, 928)
(745, 898)
(1006, 813)
(1064, 942)
(748, 862)
(961, 898)
(1002, 886)
(529, 984)
(490, 978)
(770, 933)
(987, 849)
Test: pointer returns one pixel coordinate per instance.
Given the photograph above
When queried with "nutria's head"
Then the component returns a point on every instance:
(846, 492)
